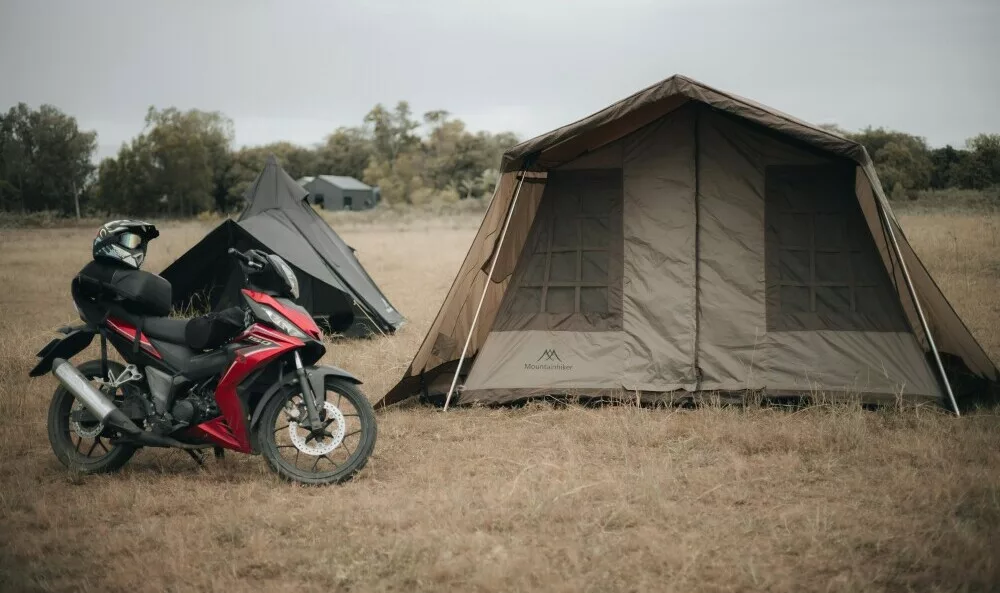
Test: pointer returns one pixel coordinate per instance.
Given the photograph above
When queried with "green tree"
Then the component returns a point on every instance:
(127, 184)
(448, 163)
(456, 158)
(190, 150)
(985, 149)
(399, 184)
(45, 160)
(944, 163)
(903, 161)
(392, 131)
(394, 165)
(347, 151)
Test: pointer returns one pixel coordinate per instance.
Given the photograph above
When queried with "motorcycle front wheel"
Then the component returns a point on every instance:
(331, 454)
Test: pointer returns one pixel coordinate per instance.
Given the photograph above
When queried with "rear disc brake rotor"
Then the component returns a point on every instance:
(86, 430)
(321, 445)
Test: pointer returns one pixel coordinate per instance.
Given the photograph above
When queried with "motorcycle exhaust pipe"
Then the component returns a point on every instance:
(95, 401)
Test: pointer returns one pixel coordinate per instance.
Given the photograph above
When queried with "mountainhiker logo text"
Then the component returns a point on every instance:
(548, 361)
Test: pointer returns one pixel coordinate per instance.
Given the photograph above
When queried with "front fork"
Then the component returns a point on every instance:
(307, 393)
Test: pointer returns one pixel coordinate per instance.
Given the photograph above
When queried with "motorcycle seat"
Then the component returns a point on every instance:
(168, 329)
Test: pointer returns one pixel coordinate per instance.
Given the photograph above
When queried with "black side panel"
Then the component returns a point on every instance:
(195, 367)
(176, 356)
(204, 366)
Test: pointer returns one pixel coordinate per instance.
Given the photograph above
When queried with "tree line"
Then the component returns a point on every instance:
(184, 163)
(906, 165)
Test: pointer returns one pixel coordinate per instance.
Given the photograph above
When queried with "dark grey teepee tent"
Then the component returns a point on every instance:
(334, 286)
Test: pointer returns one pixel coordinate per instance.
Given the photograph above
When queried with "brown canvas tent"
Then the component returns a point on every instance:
(686, 240)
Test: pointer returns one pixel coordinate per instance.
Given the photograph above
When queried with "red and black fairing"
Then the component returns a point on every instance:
(254, 349)
(295, 313)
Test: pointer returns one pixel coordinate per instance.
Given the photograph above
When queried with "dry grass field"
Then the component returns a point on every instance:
(537, 498)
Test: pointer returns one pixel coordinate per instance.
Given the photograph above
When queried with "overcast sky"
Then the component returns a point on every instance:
(296, 70)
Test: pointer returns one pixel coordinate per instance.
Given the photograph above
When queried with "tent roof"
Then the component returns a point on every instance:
(273, 188)
(276, 232)
(344, 182)
(615, 121)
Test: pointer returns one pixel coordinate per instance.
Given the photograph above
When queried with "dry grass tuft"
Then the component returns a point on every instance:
(829, 498)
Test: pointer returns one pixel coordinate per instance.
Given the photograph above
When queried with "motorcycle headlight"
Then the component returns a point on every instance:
(282, 323)
(284, 270)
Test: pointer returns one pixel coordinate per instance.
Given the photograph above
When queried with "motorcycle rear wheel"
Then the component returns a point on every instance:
(92, 451)
(296, 456)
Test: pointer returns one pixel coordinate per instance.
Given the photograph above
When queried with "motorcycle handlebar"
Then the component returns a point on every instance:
(246, 259)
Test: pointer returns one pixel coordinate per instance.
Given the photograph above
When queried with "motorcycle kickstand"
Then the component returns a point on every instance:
(219, 452)
(197, 456)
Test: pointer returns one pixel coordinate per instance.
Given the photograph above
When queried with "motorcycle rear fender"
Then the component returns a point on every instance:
(317, 378)
(75, 340)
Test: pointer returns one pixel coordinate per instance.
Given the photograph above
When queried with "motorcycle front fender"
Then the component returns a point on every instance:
(317, 377)
(74, 342)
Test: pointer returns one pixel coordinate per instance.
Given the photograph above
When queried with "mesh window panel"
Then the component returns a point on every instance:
(823, 271)
(562, 267)
(593, 300)
(534, 272)
(527, 300)
(594, 268)
(560, 300)
(572, 258)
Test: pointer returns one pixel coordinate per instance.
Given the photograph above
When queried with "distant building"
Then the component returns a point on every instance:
(333, 192)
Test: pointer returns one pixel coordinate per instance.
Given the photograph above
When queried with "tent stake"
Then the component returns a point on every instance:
(916, 304)
(486, 286)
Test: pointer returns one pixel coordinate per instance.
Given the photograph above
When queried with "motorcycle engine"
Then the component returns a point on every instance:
(197, 407)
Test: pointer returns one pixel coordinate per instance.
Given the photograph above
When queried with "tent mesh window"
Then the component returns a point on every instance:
(823, 271)
(572, 259)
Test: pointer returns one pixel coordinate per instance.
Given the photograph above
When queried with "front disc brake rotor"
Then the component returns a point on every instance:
(321, 445)
(88, 430)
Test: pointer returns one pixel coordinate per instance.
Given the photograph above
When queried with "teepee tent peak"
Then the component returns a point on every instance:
(273, 188)
(687, 240)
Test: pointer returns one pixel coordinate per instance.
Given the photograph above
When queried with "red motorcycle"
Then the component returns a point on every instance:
(241, 379)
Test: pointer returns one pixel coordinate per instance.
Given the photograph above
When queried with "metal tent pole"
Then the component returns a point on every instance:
(365, 311)
(486, 287)
(916, 303)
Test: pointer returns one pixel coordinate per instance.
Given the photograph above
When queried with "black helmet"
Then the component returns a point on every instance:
(124, 241)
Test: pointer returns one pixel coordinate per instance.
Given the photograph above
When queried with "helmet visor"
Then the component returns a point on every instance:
(129, 240)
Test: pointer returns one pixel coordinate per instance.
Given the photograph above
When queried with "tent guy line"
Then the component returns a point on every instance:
(479, 307)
